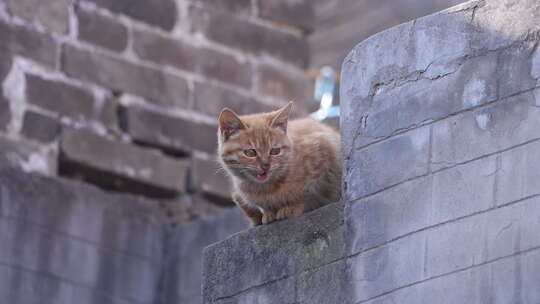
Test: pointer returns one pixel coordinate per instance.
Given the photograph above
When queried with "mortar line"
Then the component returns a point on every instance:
(531, 141)
(66, 235)
(508, 204)
(429, 122)
(515, 254)
(68, 281)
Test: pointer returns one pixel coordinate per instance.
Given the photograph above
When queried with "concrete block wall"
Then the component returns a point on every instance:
(440, 123)
(68, 242)
(125, 94)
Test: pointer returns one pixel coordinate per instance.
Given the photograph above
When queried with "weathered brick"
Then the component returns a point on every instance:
(182, 54)
(519, 173)
(5, 113)
(26, 156)
(39, 127)
(207, 178)
(28, 43)
(5, 110)
(117, 74)
(241, 34)
(160, 13)
(285, 85)
(387, 163)
(59, 97)
(239, 7)
(223, 67)
(54, 14)
(500, 126)
(81, 149)
(101, 30)
(167, 51)
(169, 132)
(211, 99)
(294, 13)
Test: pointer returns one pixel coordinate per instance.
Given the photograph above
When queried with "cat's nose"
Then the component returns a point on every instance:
(265, 165)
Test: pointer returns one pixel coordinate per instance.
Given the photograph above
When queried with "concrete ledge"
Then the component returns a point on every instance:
(272, 254)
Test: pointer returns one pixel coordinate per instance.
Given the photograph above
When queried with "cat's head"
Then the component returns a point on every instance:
(255, 148)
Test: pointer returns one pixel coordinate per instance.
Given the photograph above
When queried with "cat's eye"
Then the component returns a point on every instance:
(250, 153)
(275, 151)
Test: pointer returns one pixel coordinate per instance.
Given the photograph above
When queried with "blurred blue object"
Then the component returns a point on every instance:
(325, 88)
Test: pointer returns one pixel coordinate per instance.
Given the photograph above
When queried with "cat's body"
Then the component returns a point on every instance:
(294, 167)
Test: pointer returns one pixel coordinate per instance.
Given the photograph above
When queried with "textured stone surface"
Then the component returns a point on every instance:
(101, 30)
(82, 148)
(184, 55)
(34, 45)
(182, 284)
(118, 74)
(208, 177)
(169, 131)
(511, 122)
(26, 156)
(286, 85)
(373, 169)
(160, 13)
(250, 37)
(40, 127)
(294, 13)
(211, 99)
(235, 264)
(54, 15)
(60, 98)
(240, 7)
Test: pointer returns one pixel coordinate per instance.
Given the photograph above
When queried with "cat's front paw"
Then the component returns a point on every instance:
(268, 217)
(289, 211)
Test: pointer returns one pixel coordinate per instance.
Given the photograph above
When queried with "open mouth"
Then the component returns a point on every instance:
(262, 176)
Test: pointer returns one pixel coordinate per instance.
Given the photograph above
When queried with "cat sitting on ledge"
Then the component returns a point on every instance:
(279, 168)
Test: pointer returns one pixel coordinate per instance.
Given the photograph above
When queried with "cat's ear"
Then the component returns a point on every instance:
(282, 117)
(229, 123)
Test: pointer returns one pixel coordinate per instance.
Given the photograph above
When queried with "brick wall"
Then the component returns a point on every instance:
(441, 175)
(125, 94)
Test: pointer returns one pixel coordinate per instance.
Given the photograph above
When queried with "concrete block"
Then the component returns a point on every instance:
(519, 173)
(284, 248)
(280, 292)
(500, 126)
(390, 214)
(464, 190)
(185, 244)
(387, 163)
(386, 268)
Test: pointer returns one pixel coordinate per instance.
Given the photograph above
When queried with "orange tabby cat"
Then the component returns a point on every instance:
(279, 169)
